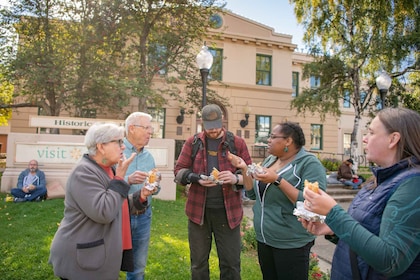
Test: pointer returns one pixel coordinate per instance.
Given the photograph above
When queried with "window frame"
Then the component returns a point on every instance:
(262, 74)
(217, 66)
(295, 84)
(265, 132)
(318, 128)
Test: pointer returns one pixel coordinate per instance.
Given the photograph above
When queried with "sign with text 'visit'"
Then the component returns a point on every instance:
(60, 153)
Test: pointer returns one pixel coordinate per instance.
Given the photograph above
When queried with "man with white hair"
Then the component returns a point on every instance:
(139, 130)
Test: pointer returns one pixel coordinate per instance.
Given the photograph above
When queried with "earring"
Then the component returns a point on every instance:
(286, 149)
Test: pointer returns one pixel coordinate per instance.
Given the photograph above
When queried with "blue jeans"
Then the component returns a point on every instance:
(353, 185)
(16, 192)
(228, 244)
(140, 235)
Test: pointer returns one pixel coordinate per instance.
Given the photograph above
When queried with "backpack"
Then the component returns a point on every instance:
(229, 144)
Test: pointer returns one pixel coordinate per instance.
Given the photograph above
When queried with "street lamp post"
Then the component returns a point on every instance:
(383, 82)
(204, 62)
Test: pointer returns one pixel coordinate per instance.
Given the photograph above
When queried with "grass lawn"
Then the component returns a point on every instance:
(27, 229)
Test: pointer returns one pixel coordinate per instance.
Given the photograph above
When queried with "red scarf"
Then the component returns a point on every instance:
(126, 228)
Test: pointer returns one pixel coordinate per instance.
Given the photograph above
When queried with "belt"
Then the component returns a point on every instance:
(139, 212)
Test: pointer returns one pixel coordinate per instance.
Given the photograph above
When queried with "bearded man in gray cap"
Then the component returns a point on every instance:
(214, 204)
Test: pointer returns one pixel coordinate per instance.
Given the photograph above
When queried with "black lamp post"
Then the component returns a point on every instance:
(204, 62)
(383, 82)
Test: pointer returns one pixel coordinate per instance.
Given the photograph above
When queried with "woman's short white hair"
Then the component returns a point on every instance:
(134, 118)
(102, 133)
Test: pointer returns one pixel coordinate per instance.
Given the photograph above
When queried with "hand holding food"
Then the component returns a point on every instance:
(214, 176)
(312, 186)
(255, 169)
(153, 179)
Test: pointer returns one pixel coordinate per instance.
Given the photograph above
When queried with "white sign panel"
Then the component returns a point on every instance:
(160, 155)
(67, 122)
(48, 153)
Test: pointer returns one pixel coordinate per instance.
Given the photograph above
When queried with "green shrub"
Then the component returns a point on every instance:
(315, 272)
(249, 239)
(330, 164)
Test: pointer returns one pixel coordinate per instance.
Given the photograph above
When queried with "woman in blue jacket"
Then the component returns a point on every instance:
(379, 237)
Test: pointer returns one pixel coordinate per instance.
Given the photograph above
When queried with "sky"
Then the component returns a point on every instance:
(277, 14)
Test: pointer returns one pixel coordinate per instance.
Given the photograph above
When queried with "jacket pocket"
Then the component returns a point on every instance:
(91, 255)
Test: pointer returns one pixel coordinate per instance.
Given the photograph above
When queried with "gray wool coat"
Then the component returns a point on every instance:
(88, 242)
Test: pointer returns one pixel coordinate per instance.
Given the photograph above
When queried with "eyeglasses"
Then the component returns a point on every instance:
(120, 142)
(148, 128)
(272, 136)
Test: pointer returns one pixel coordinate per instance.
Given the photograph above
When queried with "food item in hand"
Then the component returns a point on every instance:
(312, 186)
(215, 174)
(152, 175)
(255, 169)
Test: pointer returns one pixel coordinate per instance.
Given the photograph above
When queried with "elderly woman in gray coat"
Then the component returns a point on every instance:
(95, 230)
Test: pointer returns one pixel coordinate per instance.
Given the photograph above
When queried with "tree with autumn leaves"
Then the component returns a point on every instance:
(76, 55)
(352, 42)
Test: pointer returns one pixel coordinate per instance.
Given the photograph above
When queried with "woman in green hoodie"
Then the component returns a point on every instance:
(283, 244)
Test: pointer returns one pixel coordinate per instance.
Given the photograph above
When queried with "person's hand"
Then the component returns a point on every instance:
(25, 189)
(227, 177)
(269, 176)
(31, 187)
(145, 192)
(137, 177)
(320, 203)
(207, 183)
(316, 228)
(123, 164)
(236, 161)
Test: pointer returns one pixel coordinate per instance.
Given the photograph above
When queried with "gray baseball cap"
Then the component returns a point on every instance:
(211, 116)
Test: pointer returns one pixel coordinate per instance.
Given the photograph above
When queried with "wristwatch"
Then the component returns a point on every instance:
(277, 181)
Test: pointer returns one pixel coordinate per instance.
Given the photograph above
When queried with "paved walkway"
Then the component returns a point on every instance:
(323, 248)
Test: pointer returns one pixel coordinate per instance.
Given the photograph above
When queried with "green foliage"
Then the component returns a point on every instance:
(101, 55)
(331, 164)
(315, 272)
(351, 43)
(249, 239)
(6, 97)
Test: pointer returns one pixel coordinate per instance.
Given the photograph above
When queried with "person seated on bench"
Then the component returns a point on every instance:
(347, 176)
(30, 185)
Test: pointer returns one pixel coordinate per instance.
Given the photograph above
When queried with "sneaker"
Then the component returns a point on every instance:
(38, 199)
(18, 199)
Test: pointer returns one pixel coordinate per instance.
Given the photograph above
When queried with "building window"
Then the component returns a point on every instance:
(158, 58)
(217, 67)
(315, 81)
(295, 84)
(347, 144)
(346, 101)
(262, 128)
(158, 122)
(263, 71)
(316, 137)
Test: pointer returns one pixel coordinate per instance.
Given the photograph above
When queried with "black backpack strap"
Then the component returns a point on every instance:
(197, 144)
(230, 142)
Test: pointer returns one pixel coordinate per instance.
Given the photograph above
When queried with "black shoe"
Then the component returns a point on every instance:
(18, 199)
